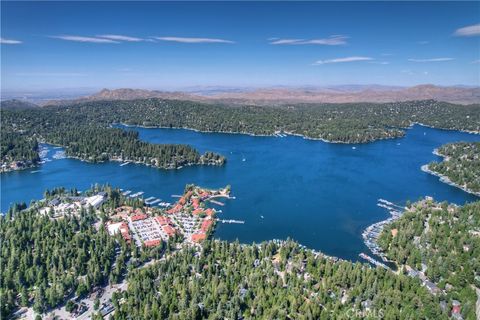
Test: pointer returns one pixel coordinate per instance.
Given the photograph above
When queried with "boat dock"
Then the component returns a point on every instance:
(373, 261)
(152, 202)
(164, 204)
(371, 234)
(217, 202)
(138, 194)
(126, 193)
(231, 221)
(149, 199)
(124, 164)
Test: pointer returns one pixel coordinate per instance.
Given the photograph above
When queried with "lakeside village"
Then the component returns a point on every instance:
(139, 222)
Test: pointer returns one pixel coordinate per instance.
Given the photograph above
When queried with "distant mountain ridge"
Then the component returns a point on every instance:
(17, 104)
(282, 95)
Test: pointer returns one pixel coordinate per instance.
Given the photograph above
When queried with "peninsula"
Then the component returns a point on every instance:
(460, 166)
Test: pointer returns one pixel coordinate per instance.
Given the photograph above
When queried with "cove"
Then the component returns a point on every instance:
(322, 195)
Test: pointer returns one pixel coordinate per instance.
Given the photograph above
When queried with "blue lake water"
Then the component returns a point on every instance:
(322, 195)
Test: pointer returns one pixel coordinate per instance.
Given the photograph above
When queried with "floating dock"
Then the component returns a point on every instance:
(151, 202)
(217, 202)
(373, 261)
(138, 194)
(164, 204)
(231, 221)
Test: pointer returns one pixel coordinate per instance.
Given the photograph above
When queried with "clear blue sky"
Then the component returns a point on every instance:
(172, 45)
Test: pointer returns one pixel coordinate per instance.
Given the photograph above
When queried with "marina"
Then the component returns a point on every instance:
(371, 234)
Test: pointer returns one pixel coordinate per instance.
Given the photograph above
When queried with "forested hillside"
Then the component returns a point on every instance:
(461, 165)
(355, 122)
(444, 241)
(270, 281)
(84, 128)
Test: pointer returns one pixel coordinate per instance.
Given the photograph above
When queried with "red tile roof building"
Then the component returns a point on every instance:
(169, 230)
(206, 225)
(197, 211)
(152, 243)
(138, 217)
(162, 220)
(197, 237)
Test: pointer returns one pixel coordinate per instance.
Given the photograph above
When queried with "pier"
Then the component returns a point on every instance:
(151, 201)
(231, 221)
(138, 194)
(373, 261)
(217, 202)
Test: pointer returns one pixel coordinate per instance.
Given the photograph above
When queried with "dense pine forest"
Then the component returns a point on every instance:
(461, 165)
(270, 281)
(45, 261)
(84, 129)
(18, 148)
(444, 241)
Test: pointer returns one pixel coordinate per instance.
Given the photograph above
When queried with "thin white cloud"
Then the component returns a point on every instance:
(334, 40)
(423, 42)
(476, 61)
(431, 60)
(193, 40)
(468, 31)
(9, 41)
(118, 37)
(380, 62)
(50, 74)
(341, 60)
(84, 39)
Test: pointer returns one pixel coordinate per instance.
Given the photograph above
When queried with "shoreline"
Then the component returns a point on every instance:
(273, 135)
(447, 180)
(142, 163)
